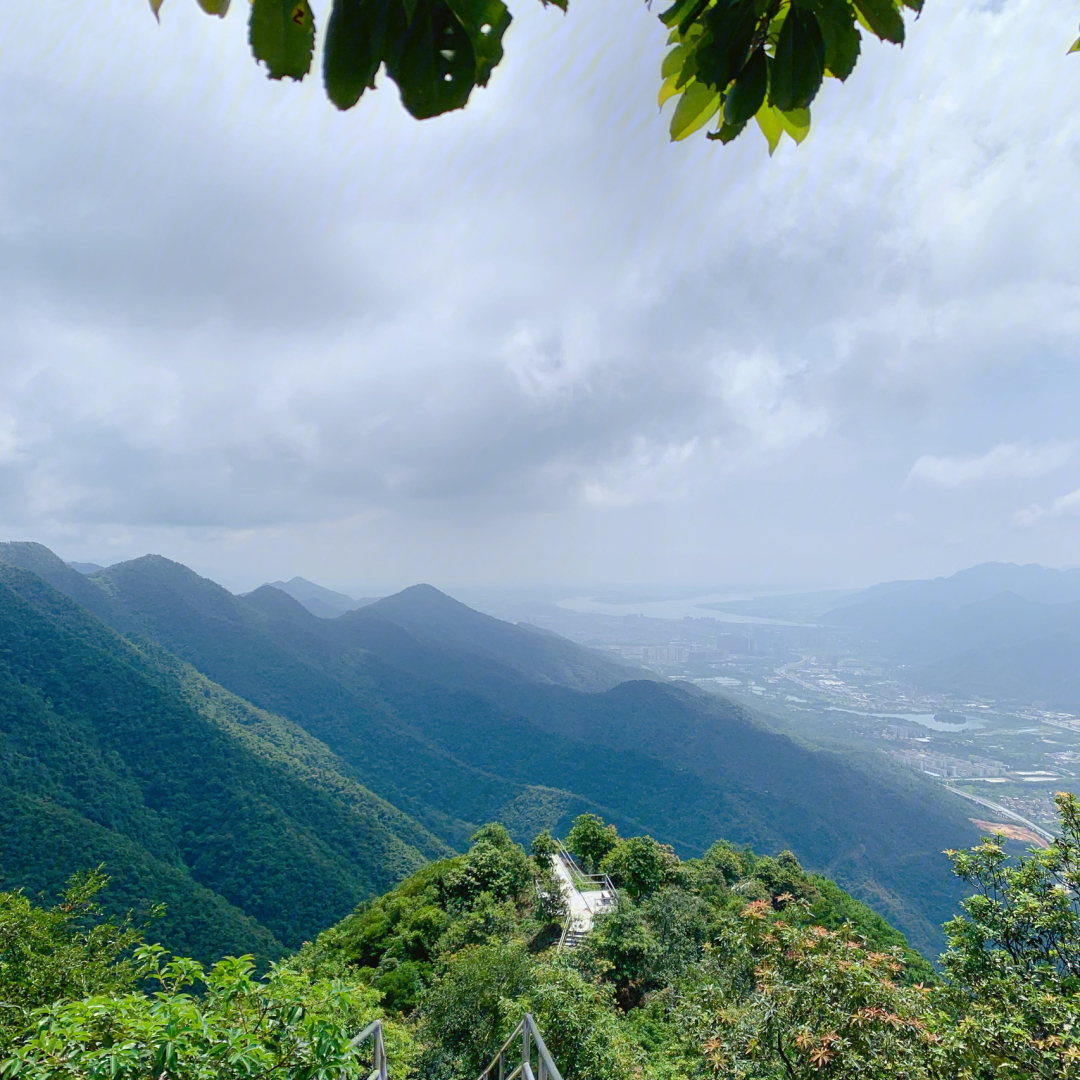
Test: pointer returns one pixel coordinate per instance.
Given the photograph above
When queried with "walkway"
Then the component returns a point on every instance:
(586, 897)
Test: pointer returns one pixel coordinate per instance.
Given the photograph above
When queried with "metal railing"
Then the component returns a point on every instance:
(599, 882)
(374, 1028)
(602, 883)
(529, 1034)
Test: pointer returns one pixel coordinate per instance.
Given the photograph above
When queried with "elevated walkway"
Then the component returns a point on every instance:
(586, 895)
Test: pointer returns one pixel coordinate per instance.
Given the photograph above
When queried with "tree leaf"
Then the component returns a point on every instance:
(435, 67)
(796, 122)
(842, 38)
(562, 5)
(697, 106)
(914, 5)
(213, 7)
(282, 35)
(727, 132)
(747, 92)
(799, 64)
(485, 22)
(155, 7)
(883, 18)
(1075, 46)
(682, 13)
(668, 89)
(730, 26)
(768, 119)
(674, 60)
(356, 39)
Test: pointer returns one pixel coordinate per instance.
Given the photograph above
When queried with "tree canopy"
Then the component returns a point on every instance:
(733, 965)
(731, 61)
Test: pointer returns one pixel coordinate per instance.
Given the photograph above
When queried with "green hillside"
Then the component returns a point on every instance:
(254, 834)
(454, 738)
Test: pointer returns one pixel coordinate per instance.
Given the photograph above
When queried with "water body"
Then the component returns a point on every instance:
(672, 609)
(925, 720)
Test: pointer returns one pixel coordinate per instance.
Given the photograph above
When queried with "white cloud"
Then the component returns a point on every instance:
(1065, 506)
(1006, 461)
(233, 317)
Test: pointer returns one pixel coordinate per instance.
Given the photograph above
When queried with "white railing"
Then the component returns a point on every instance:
(374, 1029)
(529, 1035)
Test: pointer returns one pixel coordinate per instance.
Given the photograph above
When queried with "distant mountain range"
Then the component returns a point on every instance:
(325, 603)
(263, 768)
(997, 630)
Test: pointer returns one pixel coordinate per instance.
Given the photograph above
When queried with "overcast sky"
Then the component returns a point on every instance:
(535, 342)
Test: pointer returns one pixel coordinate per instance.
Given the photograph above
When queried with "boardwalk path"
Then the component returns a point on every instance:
(584, 903)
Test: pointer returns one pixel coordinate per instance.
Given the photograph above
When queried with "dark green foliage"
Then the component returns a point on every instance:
(1014, 955)
(60, 954)
(116, 754)
(641, 866)
(591, 840)
(729, 29)
(354, 49)
(883, 17)
(747, 93)
(485, 22)
(434, 65)
(455, 737)
(742, 48)
(203, 1024)
(282, 35)
(841, 33)
(799, 64)
(437, 51)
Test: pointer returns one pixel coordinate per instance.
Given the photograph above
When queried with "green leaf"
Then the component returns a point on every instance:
(799, 64)
(682, 13)
(727, 132)
(768, 119)
(356, 39)
(842, 38)
(485, 22)
(796, 122)
(282, 35)
(748, 91)
(674, 61)
(914, 5)
(155, 7)
(730, 26)
(697, 106)
(1075, 46)
(562, 5)
(884, 19)
(435, 68)
(668, 89)
(213, 7)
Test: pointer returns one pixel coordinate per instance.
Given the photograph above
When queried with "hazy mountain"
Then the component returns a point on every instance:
(86, 567)
(890, 600)
(249, 829)
(325, 603)
(456, 718)
(997, 631)
(437, 619)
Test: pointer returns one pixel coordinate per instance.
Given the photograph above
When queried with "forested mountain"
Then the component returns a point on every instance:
(455, 735)
(250, 830)
(326, 603)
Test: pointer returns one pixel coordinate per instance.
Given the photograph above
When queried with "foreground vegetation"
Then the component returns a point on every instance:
(730, 965)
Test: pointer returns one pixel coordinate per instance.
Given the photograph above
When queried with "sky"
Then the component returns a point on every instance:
(534, 343)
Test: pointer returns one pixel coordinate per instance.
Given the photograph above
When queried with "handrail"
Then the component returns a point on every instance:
(603, 880)
(529, 1033)
(374, 1028)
